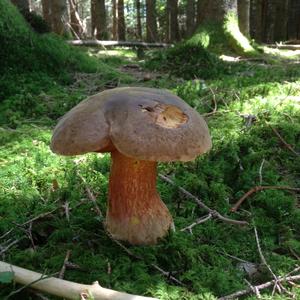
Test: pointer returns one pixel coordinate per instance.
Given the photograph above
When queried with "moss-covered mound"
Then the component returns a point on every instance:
(24, 50)
(187, 60)
(34, 65)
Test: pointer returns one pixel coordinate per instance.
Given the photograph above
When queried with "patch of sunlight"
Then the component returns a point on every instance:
(229, 58)
(290, 54)
(126, 53)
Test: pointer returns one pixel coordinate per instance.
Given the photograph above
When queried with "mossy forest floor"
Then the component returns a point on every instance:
(247, 109)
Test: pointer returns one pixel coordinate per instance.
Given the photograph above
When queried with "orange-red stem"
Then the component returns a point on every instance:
(135, 212)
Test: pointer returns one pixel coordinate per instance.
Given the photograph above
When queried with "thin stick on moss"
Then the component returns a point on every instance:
(197, 222)
(63, 268)
(282, 279)
(3, 250)
(213, 212)
(63, 288)
(90, 195)
(215, 104)
(277, 285)
(261, 188)
(284, 142)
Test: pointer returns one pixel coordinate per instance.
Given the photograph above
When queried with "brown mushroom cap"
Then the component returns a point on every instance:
(144, 123)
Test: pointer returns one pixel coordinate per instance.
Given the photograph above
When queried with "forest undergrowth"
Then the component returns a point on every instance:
(253, 112)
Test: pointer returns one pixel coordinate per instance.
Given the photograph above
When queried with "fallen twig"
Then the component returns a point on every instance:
(197, 222)
(130, 253)
(213, 212)
(284, 142)
(260, 171)
(254, 289)
(63, 288)
(261, 188)
(277, 285)
(63, 268)
(40, 216)
(91, 196)
(215, 104)
(260, 287)
(2, 251)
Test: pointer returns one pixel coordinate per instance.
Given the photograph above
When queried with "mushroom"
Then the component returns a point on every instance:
(138, 126)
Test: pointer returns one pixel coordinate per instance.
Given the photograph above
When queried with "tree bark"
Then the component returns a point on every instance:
(98, 15)
(121, 21)
(190, 17)
(114, 21)
(294, 20)
(138, 20)
(59, 16)
(201, 9)
(281, 20)
(269, 21)
(219, 27)
(256, 20)
(22, 5)
(173, 20)
(151, 25)
(216, 11)
(46, 9)
(244, 17)
(76, 24)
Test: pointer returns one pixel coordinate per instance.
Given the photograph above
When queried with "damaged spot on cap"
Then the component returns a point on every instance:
(168, 116)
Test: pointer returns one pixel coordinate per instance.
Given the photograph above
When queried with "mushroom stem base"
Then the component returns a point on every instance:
(135, 213)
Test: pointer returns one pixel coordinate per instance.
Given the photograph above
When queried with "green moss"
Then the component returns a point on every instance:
(29, 172)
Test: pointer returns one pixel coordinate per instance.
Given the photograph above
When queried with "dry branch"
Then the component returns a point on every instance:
(284, 142)
(91, 196)
(64, 266)
(63, 288)
(213, 212)
(197, 222)
(261, 188)
(260, 287)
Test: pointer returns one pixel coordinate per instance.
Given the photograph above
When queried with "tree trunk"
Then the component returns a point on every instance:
(190, 17)
(269, 21)
(294, 20)
(46, 8)
(59, 16)
(98, 15)
(219, 27)
(138, 20)
(76, 24)
(121, 21)
(256, 20)
(217, 11)
(151, 24)
(173, 20)
(114, 21)
(201, 8)
(281, 20)
(22, 5)
(167, 22)
(244, 17)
